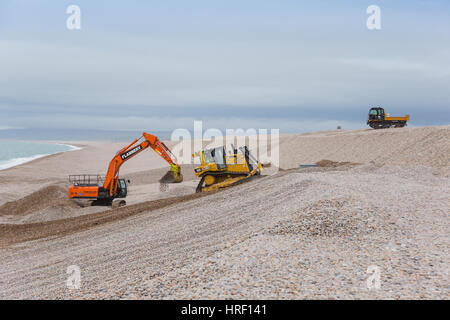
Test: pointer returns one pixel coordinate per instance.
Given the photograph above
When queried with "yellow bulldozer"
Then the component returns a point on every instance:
(219, 170)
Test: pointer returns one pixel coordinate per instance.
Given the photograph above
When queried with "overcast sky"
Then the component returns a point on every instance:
(159, 65)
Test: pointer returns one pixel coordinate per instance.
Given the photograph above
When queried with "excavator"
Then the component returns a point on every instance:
(103, 191)
(219, 170)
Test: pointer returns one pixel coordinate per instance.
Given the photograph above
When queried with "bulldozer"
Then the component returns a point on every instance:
(378, 119)
(219, 170)
(103, 191)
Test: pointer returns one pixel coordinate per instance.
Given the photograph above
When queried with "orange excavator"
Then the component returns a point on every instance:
(104, 191)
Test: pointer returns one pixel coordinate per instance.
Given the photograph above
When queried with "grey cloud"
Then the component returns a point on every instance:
(127, 81)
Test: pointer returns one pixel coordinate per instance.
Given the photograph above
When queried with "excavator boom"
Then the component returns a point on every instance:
(134, 148)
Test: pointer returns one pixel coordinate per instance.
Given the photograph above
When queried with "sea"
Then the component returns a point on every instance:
(18, 146)
(15, 152)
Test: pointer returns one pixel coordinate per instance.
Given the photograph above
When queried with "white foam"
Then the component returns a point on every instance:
(18, 161)
(73, 147)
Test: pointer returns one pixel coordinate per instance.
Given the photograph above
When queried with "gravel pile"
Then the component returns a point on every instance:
(293, 235)
(334, 164)
(49, 196)
(299, 233)
(428, 146)
(331, 218)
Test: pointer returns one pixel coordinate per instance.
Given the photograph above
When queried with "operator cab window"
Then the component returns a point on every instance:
(216, 155)
(219, 156)
(207, 155)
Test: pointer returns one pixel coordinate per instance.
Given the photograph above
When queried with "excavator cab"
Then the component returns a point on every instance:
(121, 188)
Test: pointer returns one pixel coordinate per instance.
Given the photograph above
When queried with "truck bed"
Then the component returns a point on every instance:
(405, 118)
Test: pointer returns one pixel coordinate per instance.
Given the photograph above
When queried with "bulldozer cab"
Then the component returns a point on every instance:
(217, 156)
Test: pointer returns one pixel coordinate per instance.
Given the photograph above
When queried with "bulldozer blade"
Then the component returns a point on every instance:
(170, 177)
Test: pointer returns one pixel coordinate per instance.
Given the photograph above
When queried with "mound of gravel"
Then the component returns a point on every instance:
(331, 218)
(333, 164)
(50, 196)
(428, 146)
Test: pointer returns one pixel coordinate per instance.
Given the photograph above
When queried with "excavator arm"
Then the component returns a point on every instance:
(134, 148)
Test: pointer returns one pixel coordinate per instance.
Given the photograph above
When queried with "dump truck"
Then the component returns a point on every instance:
(219, 170)
(378, 119)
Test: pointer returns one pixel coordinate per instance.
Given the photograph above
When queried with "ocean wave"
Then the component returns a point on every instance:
(6, 164)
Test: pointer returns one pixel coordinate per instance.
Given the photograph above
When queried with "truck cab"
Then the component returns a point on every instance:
(376, 114)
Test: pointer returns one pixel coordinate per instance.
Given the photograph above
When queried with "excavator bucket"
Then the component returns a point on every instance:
(172, 176)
